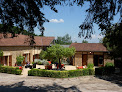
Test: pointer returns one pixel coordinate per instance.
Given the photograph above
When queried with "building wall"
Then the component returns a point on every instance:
(90, 59)
(16, 51)
(77, 61)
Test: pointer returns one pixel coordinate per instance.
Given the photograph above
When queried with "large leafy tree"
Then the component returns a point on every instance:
(28, 13)
(57, 52)
(16, 30)
(113, 40)
(65, 40)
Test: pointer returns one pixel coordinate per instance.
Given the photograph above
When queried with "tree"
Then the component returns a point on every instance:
(101, 40)
(84, 41)
(16, 30)
(65, 40)
(113, 40)
(27, 13)
(57, 51)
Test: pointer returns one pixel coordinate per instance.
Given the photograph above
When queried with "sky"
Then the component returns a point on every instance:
(67, 21)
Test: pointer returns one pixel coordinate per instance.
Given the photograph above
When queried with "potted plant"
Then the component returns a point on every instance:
(19, 60)
(47, 65)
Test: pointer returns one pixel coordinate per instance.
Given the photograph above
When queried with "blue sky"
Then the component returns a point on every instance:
(67, 21)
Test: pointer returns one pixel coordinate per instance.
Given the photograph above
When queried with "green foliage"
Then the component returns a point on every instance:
(109, 64)
(10, 70)
(90, 65)
(19, 59)
(60, 74)
(17, 12)
(1, 53)
(84, 41)
(75, 73)
(65, 40)
(104, 70)
(43, 54)
(113, 40)
(39, 63)
(58, 52)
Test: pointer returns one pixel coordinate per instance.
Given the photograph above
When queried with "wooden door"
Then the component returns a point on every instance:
(24, 60)
(10, 60)
(84, 59)
(1, 60)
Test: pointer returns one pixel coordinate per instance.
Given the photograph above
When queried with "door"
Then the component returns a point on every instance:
(98, 60)
(24, 62)
(10, 60)
(84, 59)
(1, 60)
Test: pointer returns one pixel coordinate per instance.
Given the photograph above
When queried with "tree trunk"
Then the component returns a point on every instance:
(59, 64)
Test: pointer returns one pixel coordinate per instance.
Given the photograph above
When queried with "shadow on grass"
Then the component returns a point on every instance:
(114, 78)
(19, 87)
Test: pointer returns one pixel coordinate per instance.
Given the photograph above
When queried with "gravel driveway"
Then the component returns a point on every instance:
(19, 83)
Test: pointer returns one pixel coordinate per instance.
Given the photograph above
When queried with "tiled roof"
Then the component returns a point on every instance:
(89, 47)
(21, 40)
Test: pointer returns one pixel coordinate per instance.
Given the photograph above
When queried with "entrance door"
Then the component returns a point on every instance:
(84, 59)
(10, 60)
(98, 60)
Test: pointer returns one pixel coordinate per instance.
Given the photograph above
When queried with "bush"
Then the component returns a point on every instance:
(108, 64)
(90, 65)
(19, 59)
(39, 63)
(75, 73)
(60, 74)
(104, 70)
(10, 70)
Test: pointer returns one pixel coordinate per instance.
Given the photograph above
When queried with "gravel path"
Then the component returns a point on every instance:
(19, 83)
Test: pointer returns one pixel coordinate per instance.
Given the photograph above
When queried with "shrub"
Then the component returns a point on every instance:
(104, 70)
(10, 70)
(85, 71)
(75, 73)
(39, 63)
(91, 71)
(19, 59)
(18, 72)
(60, 74)
(90, 65)
(108, 64)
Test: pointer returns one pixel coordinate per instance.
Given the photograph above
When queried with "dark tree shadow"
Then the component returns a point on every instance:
(114, 78)
(19, 87)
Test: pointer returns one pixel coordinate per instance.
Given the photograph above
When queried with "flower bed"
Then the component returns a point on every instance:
(60, 74)
(10, 70)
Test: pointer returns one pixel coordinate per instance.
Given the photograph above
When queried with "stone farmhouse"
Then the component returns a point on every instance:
(94, 53)
(19, 45)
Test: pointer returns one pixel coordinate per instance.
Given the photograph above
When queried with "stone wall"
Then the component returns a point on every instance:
(78, 58)
(107, 58)
(90, 59)
(16, 51)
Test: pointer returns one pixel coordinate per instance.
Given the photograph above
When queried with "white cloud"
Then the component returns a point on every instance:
(57, 21)
(97, 36)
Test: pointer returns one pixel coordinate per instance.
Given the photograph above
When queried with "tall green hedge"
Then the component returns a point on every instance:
(60, 74)
(10, 70)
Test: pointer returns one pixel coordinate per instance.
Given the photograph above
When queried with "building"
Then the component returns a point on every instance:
(94, 53)
(19, 45)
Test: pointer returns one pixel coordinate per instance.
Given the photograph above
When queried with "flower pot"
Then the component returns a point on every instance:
(48, 67)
